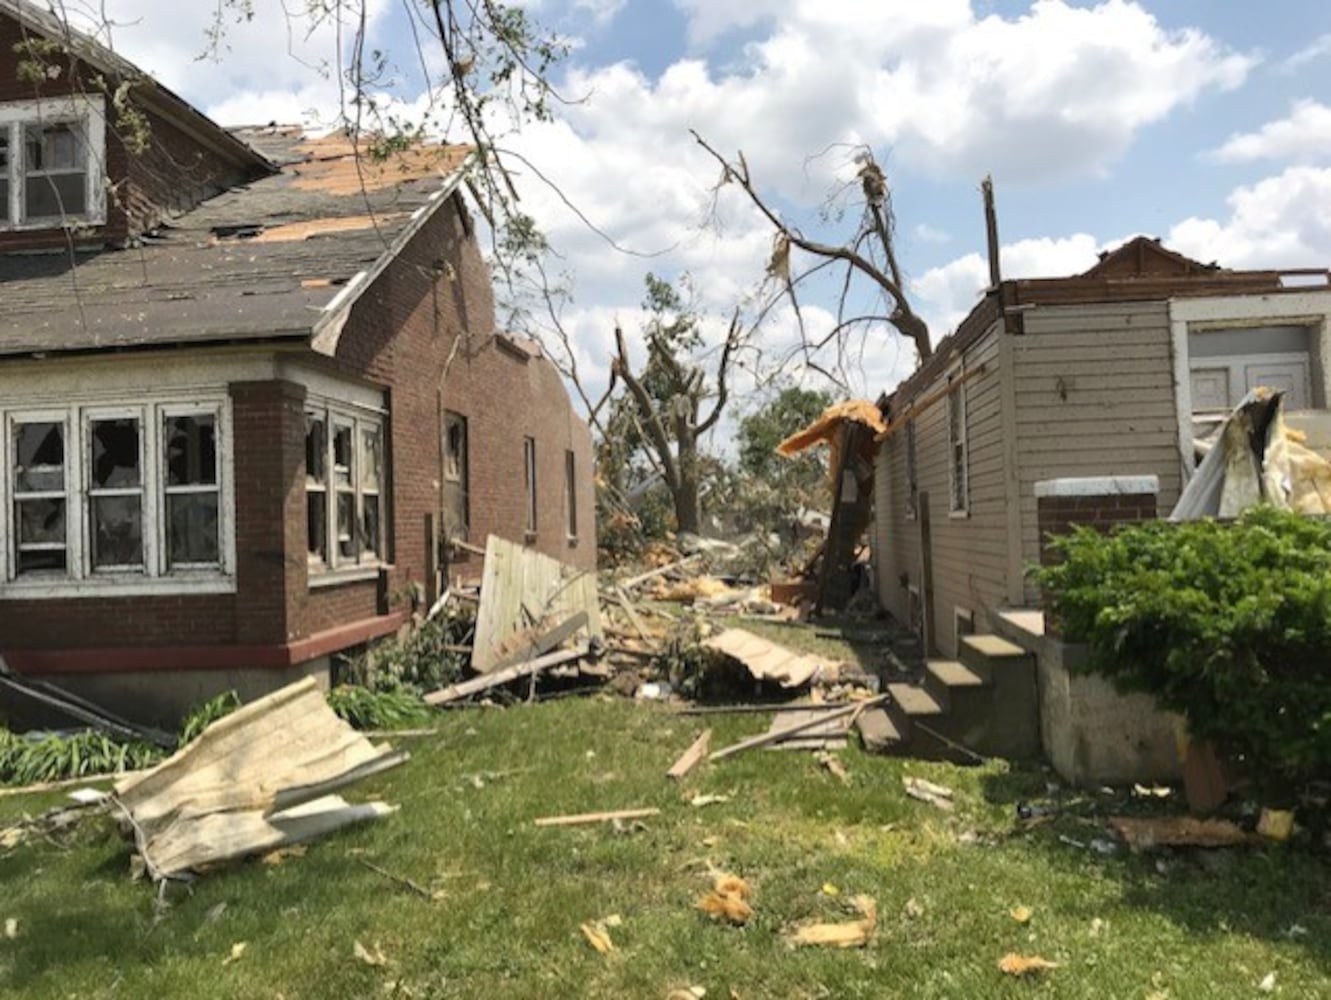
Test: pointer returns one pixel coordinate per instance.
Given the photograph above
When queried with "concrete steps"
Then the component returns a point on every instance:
(985, 701)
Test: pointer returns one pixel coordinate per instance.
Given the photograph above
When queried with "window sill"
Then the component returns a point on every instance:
(118, 586)
(336, 577)
(959, 515)
(529, 538)
(46, 225)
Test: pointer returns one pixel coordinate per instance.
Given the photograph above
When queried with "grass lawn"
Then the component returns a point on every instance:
(510, 897)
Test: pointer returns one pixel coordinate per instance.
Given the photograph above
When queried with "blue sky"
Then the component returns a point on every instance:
(1205, 123)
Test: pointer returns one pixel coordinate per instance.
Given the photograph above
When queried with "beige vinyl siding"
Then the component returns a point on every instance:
(969, 552)
(1094, 397)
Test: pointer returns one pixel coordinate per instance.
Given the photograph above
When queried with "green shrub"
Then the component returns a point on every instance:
(203, 716)
(52, 758)
(1228, 624)
(421, 662)
(366, 709)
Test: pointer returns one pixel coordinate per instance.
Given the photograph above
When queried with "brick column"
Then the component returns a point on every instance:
(1098, 502)
(268, 419)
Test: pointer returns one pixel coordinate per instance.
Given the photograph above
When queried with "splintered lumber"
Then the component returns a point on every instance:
(776, 735)
(529, 644)
(586, 819)
(766, 660)
(827, 732)
(1142, 833)
(632, 612)
(690, 758)
(518, 582)
(652, 574)
(485, 682)
(258, 779)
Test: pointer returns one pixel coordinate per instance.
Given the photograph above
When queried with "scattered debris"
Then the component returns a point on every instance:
(1276, 824)
(282, 853)
(256, 780)
(833, 763)
(597, 932)
(375, 958)
(698, 801)
(727, 900)
(404, 882)
(1268, 983)
(913, 909)
(521, 583)
(1021, 914)
(586, 819)
(1024, 965)
(237, 950)
(767, 661)
(848, 934)
(927, 791)
(73, 707)
(823, 733)
(1143, 834)
(465, 689)
(11, 928)
(692, 756)
(689, 993)
(775, 735)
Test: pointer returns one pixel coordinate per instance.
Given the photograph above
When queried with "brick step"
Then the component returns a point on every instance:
(986, 654)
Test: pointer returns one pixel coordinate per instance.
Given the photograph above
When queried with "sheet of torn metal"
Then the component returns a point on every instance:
(519, 583)
(822, 733)
(769, 662)
(231, 792)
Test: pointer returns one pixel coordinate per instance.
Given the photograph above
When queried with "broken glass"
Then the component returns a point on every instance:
(117, 531)
(191, 450)
(192, 528)
(39, 451)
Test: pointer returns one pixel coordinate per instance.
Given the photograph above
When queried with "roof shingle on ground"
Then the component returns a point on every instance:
(255, 262)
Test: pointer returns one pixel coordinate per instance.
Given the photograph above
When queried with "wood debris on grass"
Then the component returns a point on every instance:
(777, 734)
(691, 757)
(1021, 914)
(728, 899)
(237, 950)
(1146, 833)
(846, 934)
(585, 819)
(1024, 965)
(11, 928)
(255, 781)
(926, 791)
(597, 932)
(370, 956)
(698, 801)
(833, 764)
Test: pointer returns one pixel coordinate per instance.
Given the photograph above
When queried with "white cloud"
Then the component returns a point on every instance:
(1304, 136)
(926, 233)
(1319, 47)
(602, 11)
(944, 295)
(1281, 221)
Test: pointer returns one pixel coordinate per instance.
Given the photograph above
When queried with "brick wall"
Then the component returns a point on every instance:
(1057, 515)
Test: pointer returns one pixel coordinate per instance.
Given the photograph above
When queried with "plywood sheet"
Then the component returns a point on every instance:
(766, 660)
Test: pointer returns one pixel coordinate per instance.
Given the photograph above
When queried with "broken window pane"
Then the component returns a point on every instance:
(39, 451)
(192, 524)
(370, 524)
(55, 196)
(455, 447)
(41, 560)
(55, 147)
(191, 450)
(115, 454)
(41, 522)
(346, 525)
(4, 175)
(315, 449)
(117, 531)
(316, 516)
(342, 449)
(372, 458)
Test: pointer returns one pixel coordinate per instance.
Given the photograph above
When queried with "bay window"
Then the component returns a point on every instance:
(96, 498)
(344, 476)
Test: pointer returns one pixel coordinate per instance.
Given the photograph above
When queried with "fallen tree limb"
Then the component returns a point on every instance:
(641, 578)
(585, 819)
(454, 692)
(776, 735)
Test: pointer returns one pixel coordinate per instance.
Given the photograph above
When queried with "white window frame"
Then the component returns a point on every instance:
(156, 575)
(958, 446)
(89, 113)
(912, 471)
(162, 537)
(331, 567)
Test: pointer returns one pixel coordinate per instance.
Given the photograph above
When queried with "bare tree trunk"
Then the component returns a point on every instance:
(687, 514)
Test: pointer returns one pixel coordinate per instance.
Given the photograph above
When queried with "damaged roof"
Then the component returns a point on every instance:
(280, 257)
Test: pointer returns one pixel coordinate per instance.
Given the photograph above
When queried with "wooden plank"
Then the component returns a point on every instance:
(535, 642)
(632, 612)
(585, 819)
(464, 689)
(516, 578)
(691, 757)
(773, 736)
(826, 732)
(652, 574)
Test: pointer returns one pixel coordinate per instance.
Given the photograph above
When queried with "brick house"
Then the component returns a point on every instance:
(251, 388)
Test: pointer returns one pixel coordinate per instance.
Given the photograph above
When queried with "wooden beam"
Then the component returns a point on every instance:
(690, 758)
(464, 689)
(539, 641)
(776, 735)
(634, 581)
(952, 386)
(585, 819)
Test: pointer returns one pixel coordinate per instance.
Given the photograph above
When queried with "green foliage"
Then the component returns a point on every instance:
(420, 662)
(1228, 624)
(203, 716)
(52, 758)
(388, 709)
(768, 425)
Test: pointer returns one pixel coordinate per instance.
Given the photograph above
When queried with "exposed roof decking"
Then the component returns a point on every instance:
(256, 262)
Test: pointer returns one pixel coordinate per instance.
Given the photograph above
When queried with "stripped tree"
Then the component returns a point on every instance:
(868, 255)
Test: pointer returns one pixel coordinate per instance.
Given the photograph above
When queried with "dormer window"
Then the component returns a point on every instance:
(51, 163)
